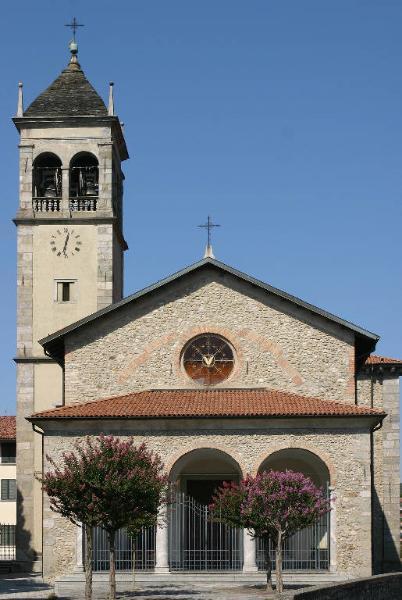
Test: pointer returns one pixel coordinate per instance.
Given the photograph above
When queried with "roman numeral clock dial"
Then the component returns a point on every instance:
(65, 242)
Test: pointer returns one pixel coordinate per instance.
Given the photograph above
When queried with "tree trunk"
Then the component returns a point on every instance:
(88, 562)
(268, 565)
(112, 571)
(279, 579)
(133, 558)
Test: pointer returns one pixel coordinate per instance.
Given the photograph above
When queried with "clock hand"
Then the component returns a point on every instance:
(65, 244)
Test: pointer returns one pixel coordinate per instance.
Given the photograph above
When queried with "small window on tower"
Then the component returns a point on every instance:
(65, 291)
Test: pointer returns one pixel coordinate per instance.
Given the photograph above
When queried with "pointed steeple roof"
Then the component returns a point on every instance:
(70, 95)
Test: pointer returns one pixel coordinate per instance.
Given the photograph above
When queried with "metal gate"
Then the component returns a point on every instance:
(196, 543)
(306, 550)
(131, 553)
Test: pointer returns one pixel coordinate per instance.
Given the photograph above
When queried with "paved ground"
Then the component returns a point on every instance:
(14, 586)
(25, 588)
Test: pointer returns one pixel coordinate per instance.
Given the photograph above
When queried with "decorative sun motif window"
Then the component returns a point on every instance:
(208, 359)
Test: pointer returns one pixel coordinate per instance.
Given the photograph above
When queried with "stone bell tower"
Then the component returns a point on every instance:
(70, 253)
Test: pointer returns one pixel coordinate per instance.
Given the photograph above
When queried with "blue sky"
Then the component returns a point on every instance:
(282, 119)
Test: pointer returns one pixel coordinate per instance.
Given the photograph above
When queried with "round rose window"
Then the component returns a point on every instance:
(208, 359)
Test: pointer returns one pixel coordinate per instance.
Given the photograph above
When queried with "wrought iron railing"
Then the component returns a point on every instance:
(83, 203)
(196, 543)
(306, 550)
(7, 542)
(131, 553)
(46, 204)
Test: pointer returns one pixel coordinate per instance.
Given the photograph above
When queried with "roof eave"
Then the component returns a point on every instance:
(381, 368)
(376, 418)
(31, 122)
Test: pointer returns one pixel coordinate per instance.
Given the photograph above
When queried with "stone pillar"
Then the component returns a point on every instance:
(105, 178)
(26, 159)
(79, 564)
(162, 543)
(332, 532)
(105, 265)
(65, 190)
(390, 435)
(249, 553)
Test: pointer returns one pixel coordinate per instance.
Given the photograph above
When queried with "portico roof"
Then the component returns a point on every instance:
(7, 428)
(375, 359)
(195, 403)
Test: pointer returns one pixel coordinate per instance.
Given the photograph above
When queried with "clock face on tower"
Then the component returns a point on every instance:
(65, 242)
(208, 359)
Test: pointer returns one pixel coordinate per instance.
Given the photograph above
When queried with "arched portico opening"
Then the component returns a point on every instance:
(307, 549)
(195, 542)
(300, 460)
(200, 472)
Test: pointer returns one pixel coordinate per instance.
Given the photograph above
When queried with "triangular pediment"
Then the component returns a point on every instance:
(54, 343)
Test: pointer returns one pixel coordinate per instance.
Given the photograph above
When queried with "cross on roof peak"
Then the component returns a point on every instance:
(209, 225)
(74, 26)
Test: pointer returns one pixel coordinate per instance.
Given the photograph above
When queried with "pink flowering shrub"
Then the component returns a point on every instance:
(106, 482)
(272, 505)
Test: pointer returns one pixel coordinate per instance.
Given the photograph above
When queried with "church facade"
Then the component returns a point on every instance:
(219, 373)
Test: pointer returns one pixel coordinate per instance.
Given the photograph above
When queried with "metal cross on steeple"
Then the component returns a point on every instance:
(74, 26)
(209, 225)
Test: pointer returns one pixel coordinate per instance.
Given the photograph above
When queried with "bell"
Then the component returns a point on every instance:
(90, 188)
(50, 192)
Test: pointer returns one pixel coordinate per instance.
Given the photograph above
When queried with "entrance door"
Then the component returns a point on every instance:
(196, 543)
(203, 490)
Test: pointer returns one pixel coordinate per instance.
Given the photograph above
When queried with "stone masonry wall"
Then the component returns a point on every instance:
(390, 472)
(276, 345)
(346, 454)
(381, 587)
(382, 391)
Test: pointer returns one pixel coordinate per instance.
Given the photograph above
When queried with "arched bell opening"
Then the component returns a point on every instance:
(308, 549)
(46, 182)
(196, 542)
(84, 181)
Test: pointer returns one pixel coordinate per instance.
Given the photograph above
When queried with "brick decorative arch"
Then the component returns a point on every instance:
(276, 351)
(173, 460)
(234, 337)
(316, 451)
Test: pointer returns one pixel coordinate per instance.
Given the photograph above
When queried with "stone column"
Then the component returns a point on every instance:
(249, 553)
(79, 565)
(162, 543)
(65, 190)
(332, 532)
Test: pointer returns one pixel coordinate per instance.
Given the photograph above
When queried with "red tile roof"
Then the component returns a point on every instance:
(208, 403)
(374, 359)
(7, 428)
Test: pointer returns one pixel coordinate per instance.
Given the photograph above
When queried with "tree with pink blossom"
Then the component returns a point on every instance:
(273, 505)
(106, 482)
